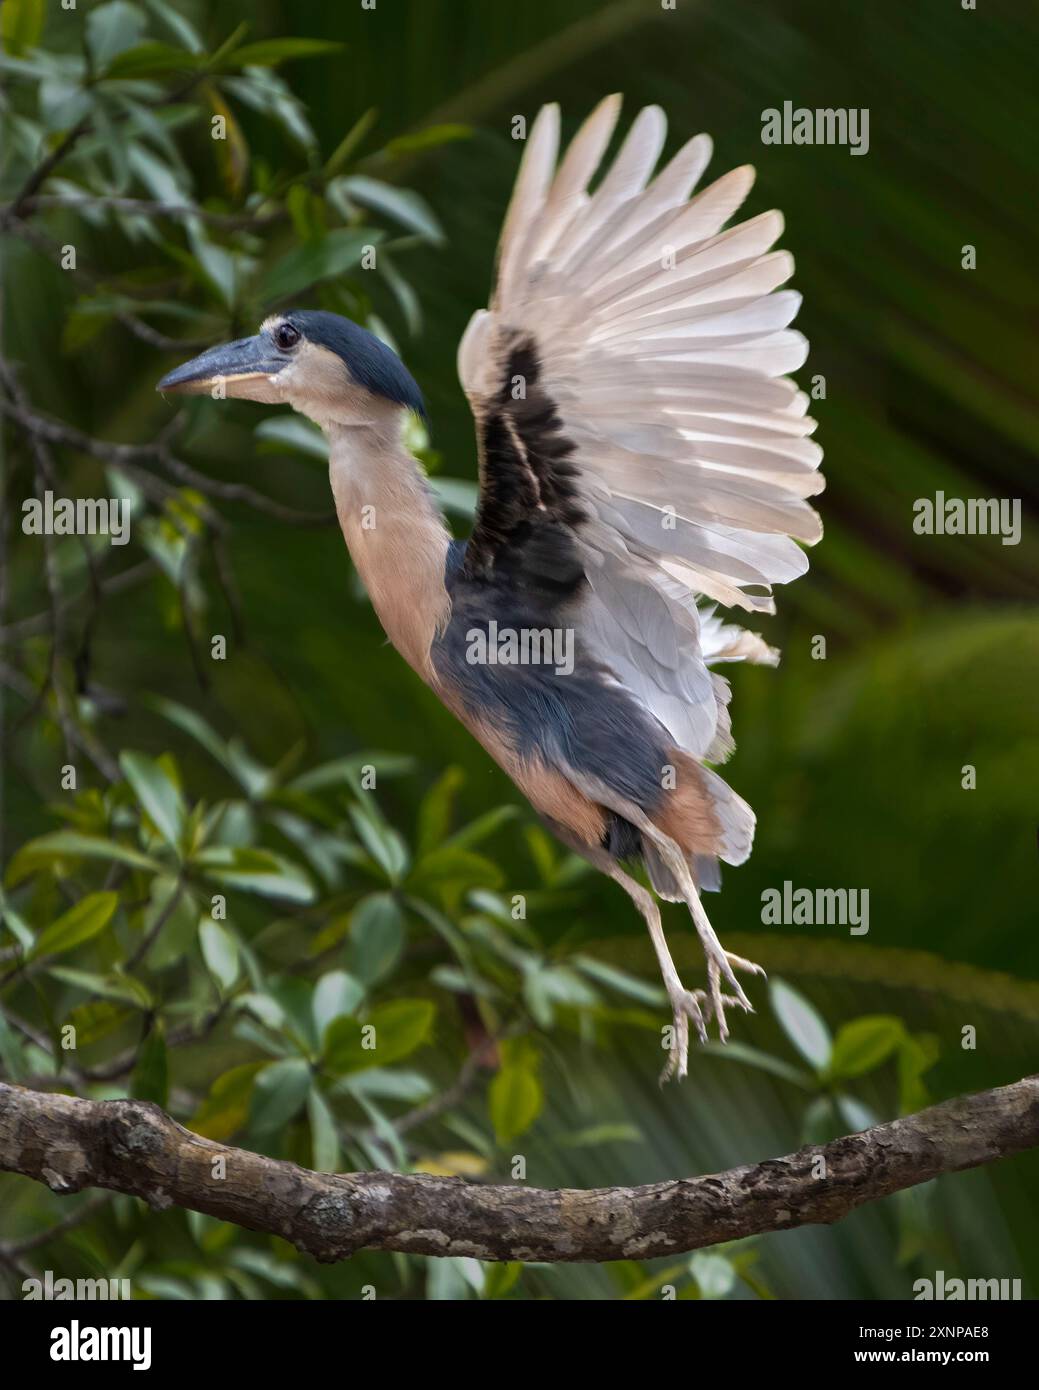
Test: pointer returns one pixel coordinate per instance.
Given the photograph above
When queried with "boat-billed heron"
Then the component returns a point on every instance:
(644, 459)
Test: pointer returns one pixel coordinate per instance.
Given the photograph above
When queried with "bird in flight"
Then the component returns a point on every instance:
(644, 459)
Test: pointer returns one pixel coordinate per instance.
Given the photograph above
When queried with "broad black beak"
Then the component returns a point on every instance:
(231, 365)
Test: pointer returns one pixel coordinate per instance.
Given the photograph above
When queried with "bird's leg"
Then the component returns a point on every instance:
(685, 1003)
(721, 964)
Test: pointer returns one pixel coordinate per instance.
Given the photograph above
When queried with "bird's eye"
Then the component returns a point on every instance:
(285, 336)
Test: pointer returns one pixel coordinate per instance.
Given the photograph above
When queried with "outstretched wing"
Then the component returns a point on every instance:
(635, 420)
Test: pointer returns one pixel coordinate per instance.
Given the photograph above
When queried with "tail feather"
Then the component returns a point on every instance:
(705, 869)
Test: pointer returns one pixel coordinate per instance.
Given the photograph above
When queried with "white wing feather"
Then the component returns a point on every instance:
(664, 341)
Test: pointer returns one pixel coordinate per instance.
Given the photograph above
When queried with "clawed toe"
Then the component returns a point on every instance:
(716, 968)
(700, 1006)
(685, 1007)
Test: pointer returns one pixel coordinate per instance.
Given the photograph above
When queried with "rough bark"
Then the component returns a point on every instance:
(134, 1147)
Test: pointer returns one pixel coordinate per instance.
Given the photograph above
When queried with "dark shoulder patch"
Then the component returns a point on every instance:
(529, 501)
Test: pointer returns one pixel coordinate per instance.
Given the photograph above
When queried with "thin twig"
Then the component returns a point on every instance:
(144, 207)
(241, 492)
(112, 584)
(47, 166)
(15, 1248)
(152, 935)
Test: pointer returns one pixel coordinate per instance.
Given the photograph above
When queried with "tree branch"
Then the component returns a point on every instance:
(143, 207)
(134, 1147)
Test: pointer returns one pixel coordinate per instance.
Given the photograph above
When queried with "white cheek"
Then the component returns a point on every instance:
(287, 379)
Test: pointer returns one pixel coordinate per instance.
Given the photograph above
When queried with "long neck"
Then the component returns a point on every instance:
(397, 538)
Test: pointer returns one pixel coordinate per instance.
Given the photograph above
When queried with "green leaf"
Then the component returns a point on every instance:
(233, 41)
(176, 24)
(335, 993)
(381, 841)
(916, 1055)
(215, 264)
(460, 496)
(802, 1024)
(89, 917)
(619, 980)
(232, 152)
(219, 951)
(595, 1135)
(252, 776)
(714, 1274)
(456, 868)
(324, 1141)
(335, 254)
(735, 1051)
(343, 1046)
(407, 300)
(85, 320)
(150, 1078)
(434, 817)
(269, 52)
(290, 432)
(62, 102)
(515, 1099)
(256, 871)
(157, 793)
(348, 771)
(48, 851)
(350, 142)
(96, 1020)
(863, 1044)
(17, 926)
(264, 1007)
(820, 1122)
(391, 1032)
(483, 827)
(400, 1028)
(115, 985)
(446, 1280)
(152, 60)
(391, 1084)
(21, 24)
(855, 1114)
(264, 91)
(564, 986)
(377, 937)
(112, 29)
(10, 1051)
(278, 1095)
(177, 936)
(499, 1278)
(427, 139)
(296, 998)
(225, 1109)
(405, 207)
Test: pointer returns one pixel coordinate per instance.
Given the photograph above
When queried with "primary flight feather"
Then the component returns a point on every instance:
(644, 460)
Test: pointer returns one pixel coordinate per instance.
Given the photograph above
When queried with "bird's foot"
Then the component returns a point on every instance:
(721, 967)
(698, 1006)
(722, 964)
(685, 1009)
